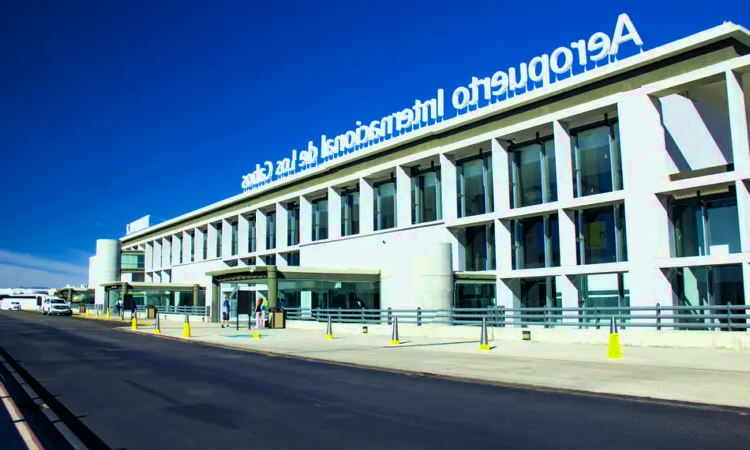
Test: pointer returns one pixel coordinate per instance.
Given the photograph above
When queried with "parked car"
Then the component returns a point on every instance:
(56, 306)
(10, 305)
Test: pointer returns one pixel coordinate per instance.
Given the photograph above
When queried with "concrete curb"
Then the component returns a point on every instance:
(507, 384)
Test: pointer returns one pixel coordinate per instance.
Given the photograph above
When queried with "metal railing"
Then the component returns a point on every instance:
(170, 309)
(704, 317)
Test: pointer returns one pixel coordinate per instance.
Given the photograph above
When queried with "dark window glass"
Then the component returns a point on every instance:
(385, 206)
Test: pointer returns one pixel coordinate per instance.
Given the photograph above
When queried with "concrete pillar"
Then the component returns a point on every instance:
(403, 197)
(424, 280)
(243, 239)
(282, 225)
(738, 121)
(196, 290)
(568, 244)
(366, 209)
(646, 217)
(563, 161)
(198, 244)
(273, 287)
(334, 213)
(501, 177)
(503, 244)
(213, 300)
(743, 211)
(566, 286)
(261, 232)
(448, 182)
(211, 253)
(305, 220)
(226, 237)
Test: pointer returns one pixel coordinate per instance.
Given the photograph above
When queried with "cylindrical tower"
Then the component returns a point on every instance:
(108, 265)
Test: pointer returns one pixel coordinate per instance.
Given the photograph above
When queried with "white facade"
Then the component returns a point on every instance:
(676, 127)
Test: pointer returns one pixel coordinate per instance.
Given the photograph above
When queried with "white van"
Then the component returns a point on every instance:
(10, 304)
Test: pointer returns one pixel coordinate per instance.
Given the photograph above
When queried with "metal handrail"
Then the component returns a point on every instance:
(704, 317)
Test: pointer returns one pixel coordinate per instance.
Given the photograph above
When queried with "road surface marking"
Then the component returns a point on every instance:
(28, 436)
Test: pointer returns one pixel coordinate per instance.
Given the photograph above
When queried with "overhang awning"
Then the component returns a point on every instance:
(294, 272)
(134, 286)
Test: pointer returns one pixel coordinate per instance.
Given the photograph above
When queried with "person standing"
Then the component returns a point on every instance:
(225, 310)
(118, 306)
(133, 311)
(259, 313)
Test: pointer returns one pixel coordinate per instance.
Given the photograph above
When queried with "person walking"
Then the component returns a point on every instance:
(225, 310)
(118, 306)
(264, 308)
(259, 313)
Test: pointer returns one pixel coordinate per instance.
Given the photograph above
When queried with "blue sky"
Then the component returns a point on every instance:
(114, 110)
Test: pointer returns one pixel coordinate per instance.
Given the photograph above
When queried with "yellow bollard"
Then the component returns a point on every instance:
(394, 334)
(186, 327)
(329, 330)
(256, 335)
(106, 316)
(157, 326)
(88, 313)
(614, 351)
(134, 324)
(484, 344)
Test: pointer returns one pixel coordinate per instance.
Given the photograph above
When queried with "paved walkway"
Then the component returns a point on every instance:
(693, 375)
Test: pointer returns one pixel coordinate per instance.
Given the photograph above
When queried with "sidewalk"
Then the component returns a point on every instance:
(720, 377)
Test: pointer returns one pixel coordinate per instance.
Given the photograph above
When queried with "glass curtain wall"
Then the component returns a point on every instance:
(349, 212)
(479, 247)
(426, 196)
(320, 219)
(205, 244)
(603, 291)
(474, 185)
(707, 285)
(191, 245)
(292, 234)
(384, 205)
(252, 244)
(597, 166)
(538, 292)
(219, 233)
(235, 239)
(536, 242)
(533, 174)
(706, 224)
(474, 294)
(270, 230)
(132, 261)
(329, 294)
(601, 235)
(292, 259)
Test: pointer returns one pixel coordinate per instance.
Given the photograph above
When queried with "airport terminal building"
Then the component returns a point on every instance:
(622, 183)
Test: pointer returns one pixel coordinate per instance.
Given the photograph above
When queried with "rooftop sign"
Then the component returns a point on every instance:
(540, 71)
(138, 225)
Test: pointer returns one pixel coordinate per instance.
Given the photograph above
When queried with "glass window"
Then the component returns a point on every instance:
(270, 260)
(602, 291)
(132, 261)
(270, 230)
(292, 259)
(292, 237)
(426, 196)
(349, 213)
(219, 233)
(705, 225)
(252, 245)
(601, 235)
(235, 236)
(474, 186)
(474, 294)
(533, 174)
(479, 247)
(328, 294)
(320, 219)
(596, 158)
(205, 243)
(536, 242)
(384, 205)
(191, 246)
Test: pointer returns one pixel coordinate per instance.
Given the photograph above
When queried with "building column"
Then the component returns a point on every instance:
(149, 257)
(305, 220)
(500, 175)
(213, 299)
(563, 161)
(738, 121)
(566, 286)
(273, 287)
(646, 217)
(334, 213)
(366, 208)
(568, 244)
(199, 236)
(504, 246)
(403, 197)
(448, 183)
(282, 225)
(243, 231)
(260, 230)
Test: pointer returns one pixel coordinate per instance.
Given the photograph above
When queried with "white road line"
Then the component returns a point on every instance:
(28, 436)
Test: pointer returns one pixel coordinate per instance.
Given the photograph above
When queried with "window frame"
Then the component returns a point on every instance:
(487, 175)
(417, 194)
(615, 155)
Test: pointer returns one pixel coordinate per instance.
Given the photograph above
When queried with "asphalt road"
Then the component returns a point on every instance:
(143, 392)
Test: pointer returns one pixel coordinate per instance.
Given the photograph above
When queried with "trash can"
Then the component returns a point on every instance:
(276, 318)
(81, 308)
(150, 312)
